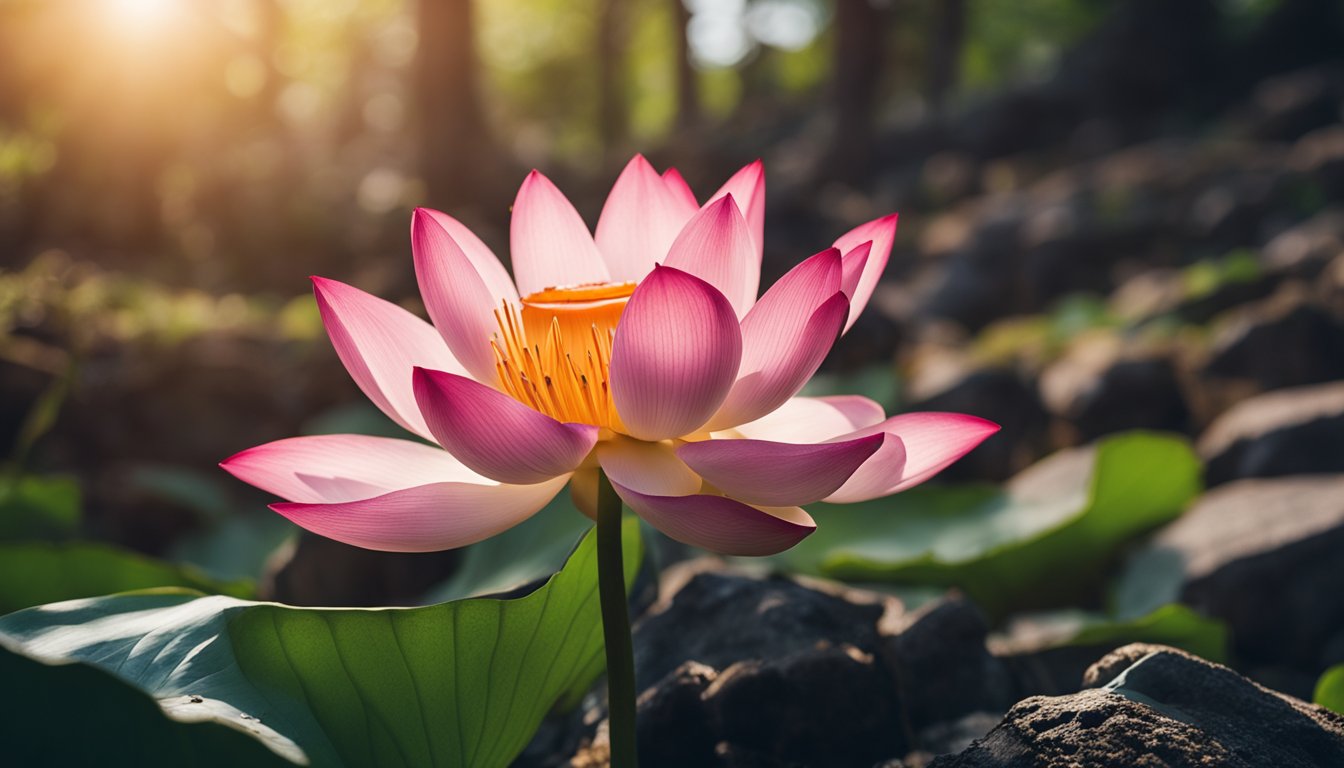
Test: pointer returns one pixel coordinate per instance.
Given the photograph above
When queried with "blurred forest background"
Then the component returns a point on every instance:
(1113, 214)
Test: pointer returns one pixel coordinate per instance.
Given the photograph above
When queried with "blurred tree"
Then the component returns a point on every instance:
(457, 155)
(944, 53)
(688, 91)
(613, 107)
(858, 57)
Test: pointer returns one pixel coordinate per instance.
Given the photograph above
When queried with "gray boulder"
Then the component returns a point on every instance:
(1160, 707)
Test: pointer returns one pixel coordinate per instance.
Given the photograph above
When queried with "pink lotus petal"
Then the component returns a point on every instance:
(882, 233)
(426, 518)
(380, 343)
(814, 419)
(551, 245)
(720, 524)
(716, 247)
(675, 355)
(459, 302)
(672, 178)
(651, 467)
(778, 474)
(496, 435)
(640, 220)
(932, 441)
(331, 468)
(488, 266)
(747, 187)
(785, 337)
(854, 263)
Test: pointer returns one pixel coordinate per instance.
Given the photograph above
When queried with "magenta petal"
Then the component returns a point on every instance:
(882, 233)
(716, 247)
(425, 518)
(932, 441)
(496, 435)
(675, 355)
(331, 468)
(458, 301)
(776, 374)
(488, 266)
(785, 337)
(640, 220)
(747, 187)
(814, 419)
(380, 343)
(678, 186)
(778, 474)
(551, 245)
(720, 524)
(853, 265)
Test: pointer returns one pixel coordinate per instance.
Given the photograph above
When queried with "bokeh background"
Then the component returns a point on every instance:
(1113, 215)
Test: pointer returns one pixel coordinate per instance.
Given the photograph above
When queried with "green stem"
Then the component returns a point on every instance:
(615, 627)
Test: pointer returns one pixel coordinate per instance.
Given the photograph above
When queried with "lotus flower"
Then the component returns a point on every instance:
(643, 351)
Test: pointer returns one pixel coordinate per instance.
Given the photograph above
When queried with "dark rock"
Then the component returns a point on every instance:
(1166, 708)
(1291, 431)
(941, 665)
(774, 672)
(1104, 392)
(773, 707)
(676, 706)
(1304, 249)
(718, 619)
(1261, 555)
(1281, 342)
(1004, 397)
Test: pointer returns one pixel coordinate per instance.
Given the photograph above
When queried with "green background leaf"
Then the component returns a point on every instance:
(36, 573)
(33, 507)
(458, 684)
(1330, 689)
(1007, 549)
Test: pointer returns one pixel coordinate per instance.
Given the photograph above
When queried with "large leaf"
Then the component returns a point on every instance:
(78, 714)
(458, 684)
(1330, 689)
(35, 573)
(1042, 541)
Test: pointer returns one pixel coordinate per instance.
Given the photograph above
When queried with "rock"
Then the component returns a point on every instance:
(739, 671)
(1283, 341)
(1262, 556)
(941, 666)
(1290, 431)
(1099, 389)
(831, 705)
(706, 621)
(1164, 708)
(1002, 396)
(1304, 249)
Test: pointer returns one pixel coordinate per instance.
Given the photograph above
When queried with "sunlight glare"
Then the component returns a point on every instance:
(141, 15)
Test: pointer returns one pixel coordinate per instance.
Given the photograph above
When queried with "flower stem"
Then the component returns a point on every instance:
(615, 627)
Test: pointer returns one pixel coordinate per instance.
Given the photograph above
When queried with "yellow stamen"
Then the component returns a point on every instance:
(553, 353)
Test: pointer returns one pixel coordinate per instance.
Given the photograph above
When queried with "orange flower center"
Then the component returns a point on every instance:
(553, 354)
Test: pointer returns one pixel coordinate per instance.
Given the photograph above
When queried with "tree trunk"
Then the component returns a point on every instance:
(859, 37)
(612, 110)
(944, 67)
(456, 154)
(688, 90)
